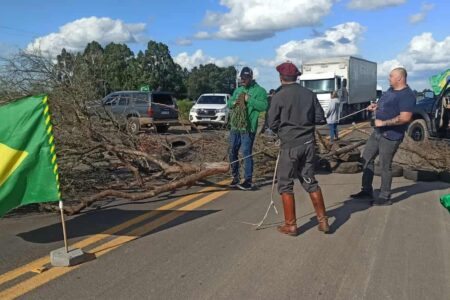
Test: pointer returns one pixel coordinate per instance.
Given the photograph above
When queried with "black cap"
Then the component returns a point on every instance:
(246, 73)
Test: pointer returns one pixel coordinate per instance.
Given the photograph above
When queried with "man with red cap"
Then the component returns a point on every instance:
(293, 114)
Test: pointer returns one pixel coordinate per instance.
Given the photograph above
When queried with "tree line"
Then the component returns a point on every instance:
(115, 67)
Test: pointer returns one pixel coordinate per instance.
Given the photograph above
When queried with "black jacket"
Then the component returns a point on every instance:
(293, 114)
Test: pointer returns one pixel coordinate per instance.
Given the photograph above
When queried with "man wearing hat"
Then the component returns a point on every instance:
(247, 101)
(293, 114)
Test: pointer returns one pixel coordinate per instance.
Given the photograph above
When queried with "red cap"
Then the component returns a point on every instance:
(288, 69)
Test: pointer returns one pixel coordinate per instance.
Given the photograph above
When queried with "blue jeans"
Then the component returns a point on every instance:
(246, 140)
(333, 132)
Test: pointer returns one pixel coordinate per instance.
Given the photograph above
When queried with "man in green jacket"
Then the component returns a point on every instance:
(247, 102)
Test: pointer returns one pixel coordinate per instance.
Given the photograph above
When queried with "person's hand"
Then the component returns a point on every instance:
(246, 97)
(378, 123)
(372, 107)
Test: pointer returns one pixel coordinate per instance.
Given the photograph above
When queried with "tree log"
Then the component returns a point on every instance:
(344, 149)
(206, 170)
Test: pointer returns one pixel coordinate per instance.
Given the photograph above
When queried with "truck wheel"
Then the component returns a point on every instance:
(161, 128)
(133, 125)
(418, 131)
(420, 175)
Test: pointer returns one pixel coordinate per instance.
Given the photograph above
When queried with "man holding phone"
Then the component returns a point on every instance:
(393, 112)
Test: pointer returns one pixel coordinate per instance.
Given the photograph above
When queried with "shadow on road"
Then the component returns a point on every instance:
(343, 212)
(95, 222)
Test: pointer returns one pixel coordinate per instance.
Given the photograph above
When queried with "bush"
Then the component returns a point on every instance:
(184, 106)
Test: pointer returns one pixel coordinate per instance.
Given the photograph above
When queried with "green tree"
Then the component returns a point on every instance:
(118, 67)
(210, 79)
(93, 66)
(159, 70)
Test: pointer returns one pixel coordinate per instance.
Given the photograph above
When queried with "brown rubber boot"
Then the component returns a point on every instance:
(319, 207)
(290, 219)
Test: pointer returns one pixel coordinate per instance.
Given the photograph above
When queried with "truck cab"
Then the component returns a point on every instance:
(322, 85)
(354, 79)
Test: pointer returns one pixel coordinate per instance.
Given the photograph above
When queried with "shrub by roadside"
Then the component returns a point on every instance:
(184, 106)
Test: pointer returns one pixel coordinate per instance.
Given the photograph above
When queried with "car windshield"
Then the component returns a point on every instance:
(319, 86)
(211, 100)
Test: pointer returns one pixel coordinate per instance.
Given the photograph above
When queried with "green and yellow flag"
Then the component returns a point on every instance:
(438, 81)
(28, 169)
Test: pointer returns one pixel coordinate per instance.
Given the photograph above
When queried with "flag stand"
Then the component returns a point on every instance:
(61, 209)
(63, 257)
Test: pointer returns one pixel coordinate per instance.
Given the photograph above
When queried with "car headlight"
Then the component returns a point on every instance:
(222, 110)
(193, 110)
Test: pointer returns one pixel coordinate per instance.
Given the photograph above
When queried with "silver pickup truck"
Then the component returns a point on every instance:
(136, 109)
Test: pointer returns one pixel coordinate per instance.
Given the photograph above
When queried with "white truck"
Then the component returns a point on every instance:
(354, 79)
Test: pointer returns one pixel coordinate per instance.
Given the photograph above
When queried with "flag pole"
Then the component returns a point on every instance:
(63, 225)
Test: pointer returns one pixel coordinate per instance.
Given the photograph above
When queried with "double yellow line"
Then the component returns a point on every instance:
(40, 279)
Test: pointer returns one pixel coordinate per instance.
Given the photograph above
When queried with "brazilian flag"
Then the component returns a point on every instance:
(28, 169)
(438, 81)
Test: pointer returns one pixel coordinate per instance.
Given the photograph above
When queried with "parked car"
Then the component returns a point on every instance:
(136, 109)
(431, 116)
(210, 109)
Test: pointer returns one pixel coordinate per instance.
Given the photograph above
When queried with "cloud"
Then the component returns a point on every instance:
(258, 19)
(336, 41)
(416, 18)
(373, 4)
(423, 57)
(184, 42)
(75, 35)
(199, 58)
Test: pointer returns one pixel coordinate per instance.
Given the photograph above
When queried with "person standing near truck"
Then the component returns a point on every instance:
(393, 111)
(247, 102)
(333, 116)
(293, 114)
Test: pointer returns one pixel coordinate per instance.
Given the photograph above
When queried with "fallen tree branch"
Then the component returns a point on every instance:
(208, 170)
(345, 149)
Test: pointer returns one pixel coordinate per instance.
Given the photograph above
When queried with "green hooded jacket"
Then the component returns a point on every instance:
(256, 103)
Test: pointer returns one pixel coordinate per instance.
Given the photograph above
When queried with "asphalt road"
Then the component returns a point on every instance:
(198, 244)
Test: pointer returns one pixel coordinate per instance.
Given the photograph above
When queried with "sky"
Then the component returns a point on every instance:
(257, 33)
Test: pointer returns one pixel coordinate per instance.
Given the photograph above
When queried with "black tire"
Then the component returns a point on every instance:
(133, 125)
(347, 168)
(397, 171)
(420, 175)
(444, 176)
(161, 128)
(180, 146)
(418, 130)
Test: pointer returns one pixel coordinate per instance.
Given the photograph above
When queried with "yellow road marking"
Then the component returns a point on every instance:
(41, 279)
(38, 263)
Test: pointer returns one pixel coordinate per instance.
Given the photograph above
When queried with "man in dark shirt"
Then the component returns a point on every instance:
(393, 112)
(293, 114)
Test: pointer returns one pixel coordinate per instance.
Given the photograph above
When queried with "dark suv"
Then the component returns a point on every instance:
(137, 109)
(431, 116)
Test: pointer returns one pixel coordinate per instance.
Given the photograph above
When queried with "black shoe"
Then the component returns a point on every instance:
(362, 195)
(245, 186)
(382, 202)
(234, 183)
